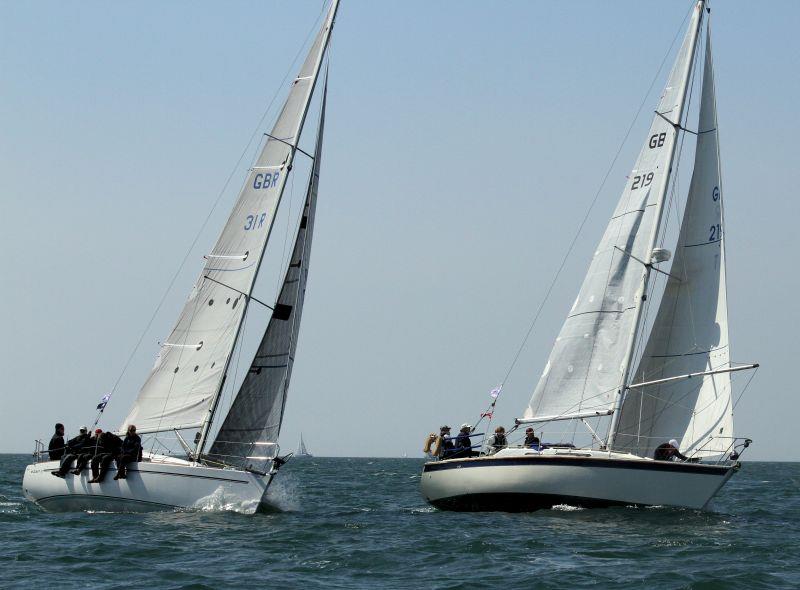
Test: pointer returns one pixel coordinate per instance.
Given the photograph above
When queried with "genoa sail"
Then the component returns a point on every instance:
(690, 331)
(589, 360)
(189, 371)
(248, 436)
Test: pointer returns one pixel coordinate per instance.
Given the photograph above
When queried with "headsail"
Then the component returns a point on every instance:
(189, 371)
(589, 361)
(248, 436)
(690, 332)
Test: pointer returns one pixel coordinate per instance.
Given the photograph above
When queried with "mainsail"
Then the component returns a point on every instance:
(590, 359)
(690, 332)
(190, 369)
(248, 436)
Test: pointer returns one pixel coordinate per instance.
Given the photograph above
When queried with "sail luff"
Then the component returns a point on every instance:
(248, 435)
(295, 139)
(690, 331)
(697, 20)
(184, 384)
(589, 360)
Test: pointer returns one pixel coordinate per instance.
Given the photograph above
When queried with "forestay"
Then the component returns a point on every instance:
(190, 366)
(587, 365)
(690, 332)
(247, 437)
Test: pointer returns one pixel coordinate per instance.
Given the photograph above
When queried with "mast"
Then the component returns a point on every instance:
(697, 20)
(321, 47)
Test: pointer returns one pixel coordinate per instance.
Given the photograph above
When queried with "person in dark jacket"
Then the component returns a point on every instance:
(531, 440)
(75, 447)
(446, 448)
(56, 447)
(130, 452)
(109, 447)
(668, 451)
(463, 442)
(90, 448)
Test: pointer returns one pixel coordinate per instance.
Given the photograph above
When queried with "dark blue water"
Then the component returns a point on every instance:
(361, 523)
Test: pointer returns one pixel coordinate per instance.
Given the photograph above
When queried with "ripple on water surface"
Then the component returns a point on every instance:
(361, 523)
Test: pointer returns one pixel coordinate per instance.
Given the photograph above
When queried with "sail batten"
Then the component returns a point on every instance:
(590, 360)
(183, 386)
(690, 331)
(256, 413)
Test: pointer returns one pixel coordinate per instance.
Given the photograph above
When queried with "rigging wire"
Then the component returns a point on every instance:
(593, 202)
(221, 193)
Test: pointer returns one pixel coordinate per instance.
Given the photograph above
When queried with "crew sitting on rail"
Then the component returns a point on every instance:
(75, 446)
(108, 447)
(131, 452)
(56, 447)
(497, 441)
(90, 448)
(668, 451)
(531, 440)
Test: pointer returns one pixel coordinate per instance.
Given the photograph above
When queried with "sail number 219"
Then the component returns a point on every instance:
(642, 180)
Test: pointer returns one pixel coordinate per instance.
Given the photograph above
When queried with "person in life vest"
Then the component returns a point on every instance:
(531, 440)
(668, 451)
(463, 442)
(130, 452)
(497, 441)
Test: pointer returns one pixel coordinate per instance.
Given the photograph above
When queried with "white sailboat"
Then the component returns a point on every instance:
(302, 451)
(233, 463)
(681, 387)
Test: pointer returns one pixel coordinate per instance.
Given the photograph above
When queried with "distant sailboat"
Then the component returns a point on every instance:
(681, 388)
(180, 399)
(302, 451)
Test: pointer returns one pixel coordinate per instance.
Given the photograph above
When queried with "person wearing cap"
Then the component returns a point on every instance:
(668, 451)
(531, 440)
(446, 448)
(75, 447)
(56, 447)
(90, 449)
(498, 440)
(130, 453)
(463, 442)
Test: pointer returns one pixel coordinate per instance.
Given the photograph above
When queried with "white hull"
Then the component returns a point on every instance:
(158, 484)
(524, 480)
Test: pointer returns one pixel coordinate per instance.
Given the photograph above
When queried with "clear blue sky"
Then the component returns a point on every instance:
(464, 142)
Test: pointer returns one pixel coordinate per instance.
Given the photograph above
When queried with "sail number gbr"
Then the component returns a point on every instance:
(265, 180)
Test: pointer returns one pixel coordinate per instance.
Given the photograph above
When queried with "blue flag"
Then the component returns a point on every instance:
(104, 402)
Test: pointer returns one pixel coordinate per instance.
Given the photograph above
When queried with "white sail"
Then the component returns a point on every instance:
(588, 363)
(690, 332)
(301, 450)
(189, 371)
(249, 434)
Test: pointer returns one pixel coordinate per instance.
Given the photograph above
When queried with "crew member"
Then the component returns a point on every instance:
(498, 440)
(446, 448)
(90, 448)
(463, 442)
(75, 446)
(531, 440)
(130, 452)
(109, 447)
(56, 447)
(668, 451)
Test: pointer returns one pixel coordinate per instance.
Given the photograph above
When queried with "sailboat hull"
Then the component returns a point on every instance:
(149, 486)
(521, 481)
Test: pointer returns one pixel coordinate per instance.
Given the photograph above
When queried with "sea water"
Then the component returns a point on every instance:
(361, 523)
